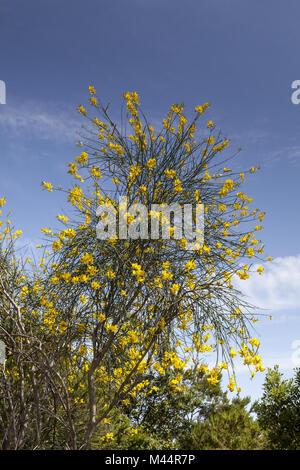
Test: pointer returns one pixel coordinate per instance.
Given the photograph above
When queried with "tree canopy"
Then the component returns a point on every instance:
(278, 411)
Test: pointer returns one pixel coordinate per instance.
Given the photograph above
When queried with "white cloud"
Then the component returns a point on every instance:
(278, 288)
(39, 121)
(290, 154)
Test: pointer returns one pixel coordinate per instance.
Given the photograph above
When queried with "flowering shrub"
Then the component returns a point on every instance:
(84, 331)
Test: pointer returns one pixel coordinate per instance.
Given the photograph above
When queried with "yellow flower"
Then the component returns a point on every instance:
(47, 186)
(110, 274)
(56, 245)
(166, 275)
(62, 218)
(190, 265)
(138, 272)
(101, 317)
(197, 195)
(112, 328)
(24, 291)
(81, 110)
(83, 157)
(233, 353)
(207, 176)
(95, 171)
(151, 163)
(87, 258)
(95, 285)
(254, 342)
(231, 385)
(201, 109)
(62, 327)
(170, 173)
(177, 186)
(108, 437)
(158, 282)
(175, 288)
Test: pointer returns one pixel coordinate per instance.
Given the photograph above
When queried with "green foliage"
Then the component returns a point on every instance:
(127, 437)
(199, 417)
(230, 427)
(169, 413)
(279, 410)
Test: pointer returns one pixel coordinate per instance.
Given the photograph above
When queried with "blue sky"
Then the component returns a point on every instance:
(239, 55)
